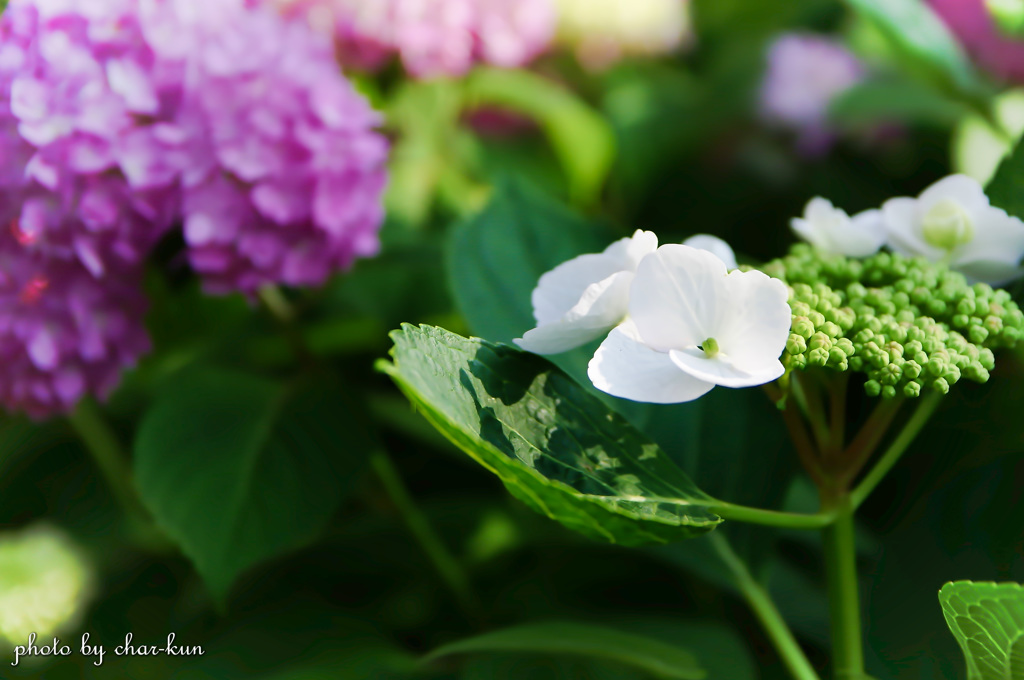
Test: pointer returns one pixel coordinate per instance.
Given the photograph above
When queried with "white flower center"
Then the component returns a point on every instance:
(947, 225)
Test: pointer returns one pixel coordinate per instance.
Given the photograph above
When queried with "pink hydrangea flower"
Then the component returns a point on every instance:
(122, 118)
(283, 173)
(805, 73)
(63, 332)
(73, 85)
(971, 22)
(434, 37)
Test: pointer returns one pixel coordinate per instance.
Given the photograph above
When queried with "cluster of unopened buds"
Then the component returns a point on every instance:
(681, 318)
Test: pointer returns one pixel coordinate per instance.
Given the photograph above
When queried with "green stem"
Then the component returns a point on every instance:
(772, 518)
(844, 603)
(448, 568)
(896, 449)
(766, 611)
(113, 463)
(444, 562)
(808, 396)
(860, 450)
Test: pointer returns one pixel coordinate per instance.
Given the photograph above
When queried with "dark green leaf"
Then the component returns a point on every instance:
(1006, 189)
(554, 446)
(237, 468)
(987, 620)
(656, 657)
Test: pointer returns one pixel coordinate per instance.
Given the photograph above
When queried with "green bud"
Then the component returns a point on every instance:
(803, 327)
(977, 334)
(940, 386)
(912, 369)
(710, 347)
(888, 392)
(912, 389)
(796, 344)
(873, 388)
(817, 357)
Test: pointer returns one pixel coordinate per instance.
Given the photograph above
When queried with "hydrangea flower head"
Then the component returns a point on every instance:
(63, 332)
(952, 221)
(434, 37)
(283, 173)
(76, 79)
(693, 325)
(831, 230)
(582, 299)
(909, 324)
(805, 73)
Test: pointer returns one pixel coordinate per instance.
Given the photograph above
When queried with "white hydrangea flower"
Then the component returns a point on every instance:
(715, 246)
(953, 221)
(582, 299)
(604, 31)
(831, 230)
(693, 325)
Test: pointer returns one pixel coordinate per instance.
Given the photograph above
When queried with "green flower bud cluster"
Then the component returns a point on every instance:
(908, 323)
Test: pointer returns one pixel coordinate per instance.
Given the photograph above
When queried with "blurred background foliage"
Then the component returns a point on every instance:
(301, 503)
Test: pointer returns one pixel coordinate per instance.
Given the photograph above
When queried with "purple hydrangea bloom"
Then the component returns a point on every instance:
(121, 118)
(69, 116)
(805, 73)
(283, 173)
(435, 37)
(63, 332)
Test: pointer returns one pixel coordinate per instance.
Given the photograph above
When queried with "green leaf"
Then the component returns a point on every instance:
(730, 440)
(987, 620)
(583, 639)
(920, 34)
(904, 101)
(1006, 190)
(582, 139)
(237, 468)
(554, 446)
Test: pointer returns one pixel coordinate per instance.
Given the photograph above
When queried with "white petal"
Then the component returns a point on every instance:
(629, 251)
(601, 307)
(625, 367)
(965, 190)
(997, 238)
(557, 337)
(560, 289)
(714, 245)
(992, 273)
(756, 323)
(864, 236)
(721, 371)
(678, 297)
(903, 229)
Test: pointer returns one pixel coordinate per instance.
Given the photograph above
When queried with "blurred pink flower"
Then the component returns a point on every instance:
(433, 37)
(805, 73)
(121, 118)
(971, 22)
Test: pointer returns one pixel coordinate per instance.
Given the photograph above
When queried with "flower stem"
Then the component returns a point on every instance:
(844, 602)
(113, 463)
(772, 518)
(896, 449)
(859, 452)
(766, 611)
(449, 568)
